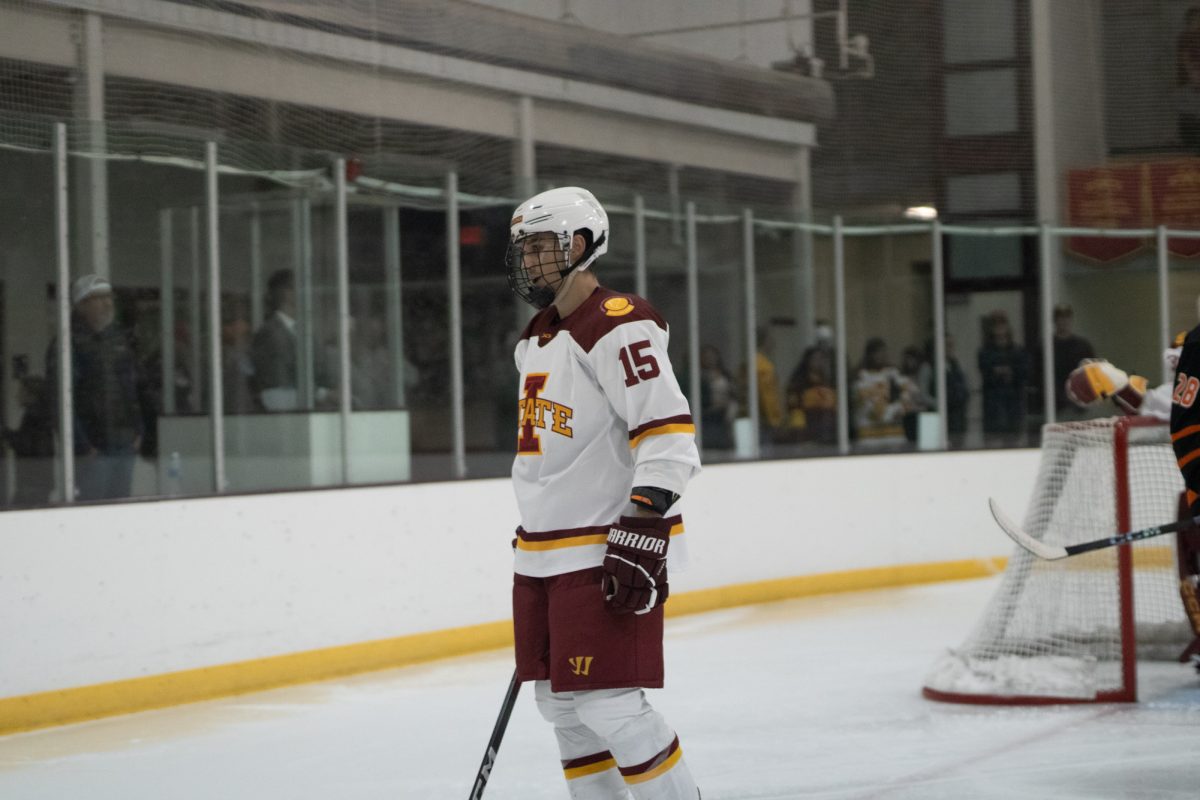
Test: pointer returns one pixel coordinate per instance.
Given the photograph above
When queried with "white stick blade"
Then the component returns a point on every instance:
(1039, 549)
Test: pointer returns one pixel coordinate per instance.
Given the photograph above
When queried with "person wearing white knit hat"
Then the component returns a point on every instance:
(107, 418)
(92, 299)
(87, 286)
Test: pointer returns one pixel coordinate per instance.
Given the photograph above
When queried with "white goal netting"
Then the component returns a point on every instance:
(1053, 629)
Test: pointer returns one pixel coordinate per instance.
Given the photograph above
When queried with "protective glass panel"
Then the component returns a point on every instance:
(724, 392)
(889, 317)
(140, 341)
(382, 208)
(280, 366)
(618, 268)
(1083, 314)
(427, 326)
(799, 319)
(993, 336)
(666, 278)
(30, 472)
(492, 319)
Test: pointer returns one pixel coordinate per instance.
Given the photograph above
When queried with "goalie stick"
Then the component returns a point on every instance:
(1054, 552)
(493, 745)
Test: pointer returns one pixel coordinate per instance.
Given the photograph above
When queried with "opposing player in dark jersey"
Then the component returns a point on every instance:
(605, 448)
(1185, 438)
(1175, 402)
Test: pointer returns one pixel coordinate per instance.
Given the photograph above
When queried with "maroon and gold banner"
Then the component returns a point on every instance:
(1106, 197)
(1175, 194)
(1134, 196)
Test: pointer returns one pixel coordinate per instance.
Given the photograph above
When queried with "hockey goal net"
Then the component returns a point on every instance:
(1073, 630)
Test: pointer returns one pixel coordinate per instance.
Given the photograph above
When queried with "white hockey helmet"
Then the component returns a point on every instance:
(564, 212)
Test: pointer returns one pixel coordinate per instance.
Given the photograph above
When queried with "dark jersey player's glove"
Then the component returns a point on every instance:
(635, 564)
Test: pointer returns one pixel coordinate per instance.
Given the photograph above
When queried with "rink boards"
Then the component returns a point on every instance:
(123, 607)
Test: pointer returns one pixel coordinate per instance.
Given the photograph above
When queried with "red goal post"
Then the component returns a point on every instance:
(1072, 631)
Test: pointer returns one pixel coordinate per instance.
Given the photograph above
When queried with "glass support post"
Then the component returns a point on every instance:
(454, 286)
(751, 312)
(693, 309)
(215, 375)
(342, 258)
(66, 394)
(939, 334)
(839, 302)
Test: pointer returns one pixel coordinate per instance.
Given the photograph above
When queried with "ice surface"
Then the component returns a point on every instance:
(812, 698)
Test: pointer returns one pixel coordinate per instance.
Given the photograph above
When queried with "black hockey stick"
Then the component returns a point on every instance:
(1055, 552)
(493, 746)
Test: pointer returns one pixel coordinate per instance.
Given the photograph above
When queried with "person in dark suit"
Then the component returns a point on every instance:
(273, 351)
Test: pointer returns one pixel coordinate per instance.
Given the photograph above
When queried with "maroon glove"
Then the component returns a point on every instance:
(635, 564)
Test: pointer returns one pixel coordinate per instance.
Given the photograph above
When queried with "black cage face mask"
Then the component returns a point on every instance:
(537, 266)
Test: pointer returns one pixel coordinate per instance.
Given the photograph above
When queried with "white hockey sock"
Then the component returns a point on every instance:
(588, 766)
(645, 748)
(665, 776)
(593, 775)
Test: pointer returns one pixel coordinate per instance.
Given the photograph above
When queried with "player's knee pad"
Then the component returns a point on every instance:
(609, 712)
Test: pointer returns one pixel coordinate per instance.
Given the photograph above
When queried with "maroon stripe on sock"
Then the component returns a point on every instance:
(572, 763)
(639, 769)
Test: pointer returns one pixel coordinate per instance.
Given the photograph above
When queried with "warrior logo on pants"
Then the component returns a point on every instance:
(580, 665)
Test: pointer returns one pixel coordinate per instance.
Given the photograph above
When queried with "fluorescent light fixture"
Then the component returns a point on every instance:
(921, 212)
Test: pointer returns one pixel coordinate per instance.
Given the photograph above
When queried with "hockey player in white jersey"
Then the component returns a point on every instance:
(605, 448)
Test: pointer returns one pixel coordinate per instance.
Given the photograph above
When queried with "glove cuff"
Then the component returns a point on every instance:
(653, 498)
(661, 525)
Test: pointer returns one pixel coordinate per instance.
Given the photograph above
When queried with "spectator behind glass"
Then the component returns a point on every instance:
(107, 416)
(881, 397)
(823, 341)
(718, 407)
(1187, 81)
(770, 407)
(957, 393)
(812, 398)
(1069, 350)
(911, 362)
(372, 365)
(273, 351)
(237, 367)
(1004, 367)
(33, 444)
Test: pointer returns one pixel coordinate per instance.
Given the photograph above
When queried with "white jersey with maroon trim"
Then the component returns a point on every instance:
(1157, 402)
(600, 413)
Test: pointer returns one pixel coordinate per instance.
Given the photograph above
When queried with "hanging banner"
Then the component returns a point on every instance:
(1175, 194)
(1107, 197)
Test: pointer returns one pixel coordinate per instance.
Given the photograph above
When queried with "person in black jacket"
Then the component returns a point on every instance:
(32, 442)
(1185, 427)
(107, 417)
(1004, 367)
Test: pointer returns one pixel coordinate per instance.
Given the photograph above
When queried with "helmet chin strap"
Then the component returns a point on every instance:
(566, 283)
(543, 296)
(569, 273)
